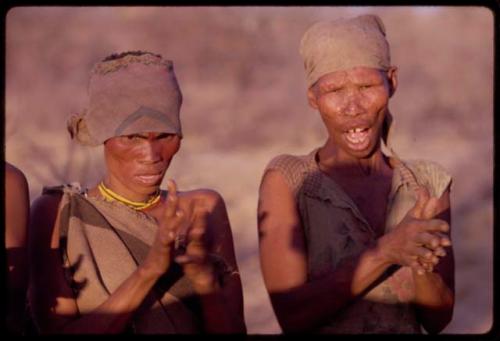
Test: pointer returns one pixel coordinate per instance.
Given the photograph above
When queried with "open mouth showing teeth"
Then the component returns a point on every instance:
(356, 130)
(357, 136)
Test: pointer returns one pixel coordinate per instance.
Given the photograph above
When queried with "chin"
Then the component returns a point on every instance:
(365, 153)
(147, 189)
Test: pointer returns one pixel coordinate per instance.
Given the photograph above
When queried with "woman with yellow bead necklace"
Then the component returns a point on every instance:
(125, 256)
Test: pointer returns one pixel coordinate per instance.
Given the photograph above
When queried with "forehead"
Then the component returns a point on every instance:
(145, 134)
(357, 74)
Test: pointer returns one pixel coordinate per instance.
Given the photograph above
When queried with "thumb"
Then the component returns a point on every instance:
(417, 211)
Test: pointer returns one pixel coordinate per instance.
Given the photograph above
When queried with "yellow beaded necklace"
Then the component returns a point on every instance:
(112, 196)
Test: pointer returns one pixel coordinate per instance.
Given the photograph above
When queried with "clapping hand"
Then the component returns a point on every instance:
(426, 208)
(160, 255)
(419, 240)
(195, 262)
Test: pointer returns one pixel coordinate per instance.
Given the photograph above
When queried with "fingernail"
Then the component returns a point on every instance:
(180, 259)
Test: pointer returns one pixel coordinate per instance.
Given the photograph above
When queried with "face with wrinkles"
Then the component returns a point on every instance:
(353, 104)
(136, 164)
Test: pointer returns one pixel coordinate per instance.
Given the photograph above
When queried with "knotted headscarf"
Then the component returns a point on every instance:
(129, 95)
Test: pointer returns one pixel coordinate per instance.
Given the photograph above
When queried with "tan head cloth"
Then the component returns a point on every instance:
(129, 95)
(329, 46)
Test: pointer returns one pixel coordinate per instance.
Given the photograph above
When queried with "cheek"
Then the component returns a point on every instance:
(329, 107)
(119, 156)
(122, 155)
(169, 149)
(376, 99)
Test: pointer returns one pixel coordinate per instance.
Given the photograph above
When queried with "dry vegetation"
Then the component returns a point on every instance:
(244, 102)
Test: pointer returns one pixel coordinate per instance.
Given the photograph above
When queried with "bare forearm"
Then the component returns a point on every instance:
(307, 306)
(15, 314)
(115, 313)
(217, 318)
(434, 301)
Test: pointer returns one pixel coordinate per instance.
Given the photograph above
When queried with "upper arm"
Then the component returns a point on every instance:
(16, 207)
(16, 226)
(218, 236)
(51, 298)
(446, 266)
(281, 238)
(220, 242)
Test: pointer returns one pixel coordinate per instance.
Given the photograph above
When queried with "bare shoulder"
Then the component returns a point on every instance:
(218, 225)
(43, 212)
(275, 184)
(42, 226)
(203, 197)
(16, 206)
(47, 202)
(272, 176)
(14, 177)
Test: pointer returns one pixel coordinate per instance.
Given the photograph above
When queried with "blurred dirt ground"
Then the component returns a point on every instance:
(244, 102)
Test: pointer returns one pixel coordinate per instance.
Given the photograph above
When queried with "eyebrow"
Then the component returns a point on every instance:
(372, 79)
(135, 135)
(146, 135)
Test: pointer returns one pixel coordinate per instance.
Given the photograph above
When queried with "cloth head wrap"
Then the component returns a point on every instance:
(330, 46)
(129, 95)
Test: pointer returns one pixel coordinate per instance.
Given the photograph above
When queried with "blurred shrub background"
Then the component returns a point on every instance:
(244, 102)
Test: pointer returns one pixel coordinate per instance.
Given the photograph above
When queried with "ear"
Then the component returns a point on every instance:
(392, 77)
(178, 146)
(311, 98)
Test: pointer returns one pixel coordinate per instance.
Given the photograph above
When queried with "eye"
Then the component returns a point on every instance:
(165, 136)
(329, 90)
(333, 89)
(134, 137)
(365, 86)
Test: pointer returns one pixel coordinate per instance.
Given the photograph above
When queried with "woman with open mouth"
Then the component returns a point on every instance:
(353, 239)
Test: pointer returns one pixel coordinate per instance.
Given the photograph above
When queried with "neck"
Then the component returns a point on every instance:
(331, 158)
(111, 195)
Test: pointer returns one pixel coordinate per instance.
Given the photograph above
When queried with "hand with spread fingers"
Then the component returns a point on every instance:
(161, 253)
(419, 239)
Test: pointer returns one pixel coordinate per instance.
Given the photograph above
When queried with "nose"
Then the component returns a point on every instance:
(353, 103)
(151, 152)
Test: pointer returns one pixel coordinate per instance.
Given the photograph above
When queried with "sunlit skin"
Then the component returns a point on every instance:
(135, 167)
(353, 104)
(358, 98)
(16, 224)
(350, 99)
(136, 164)
(354, 98)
